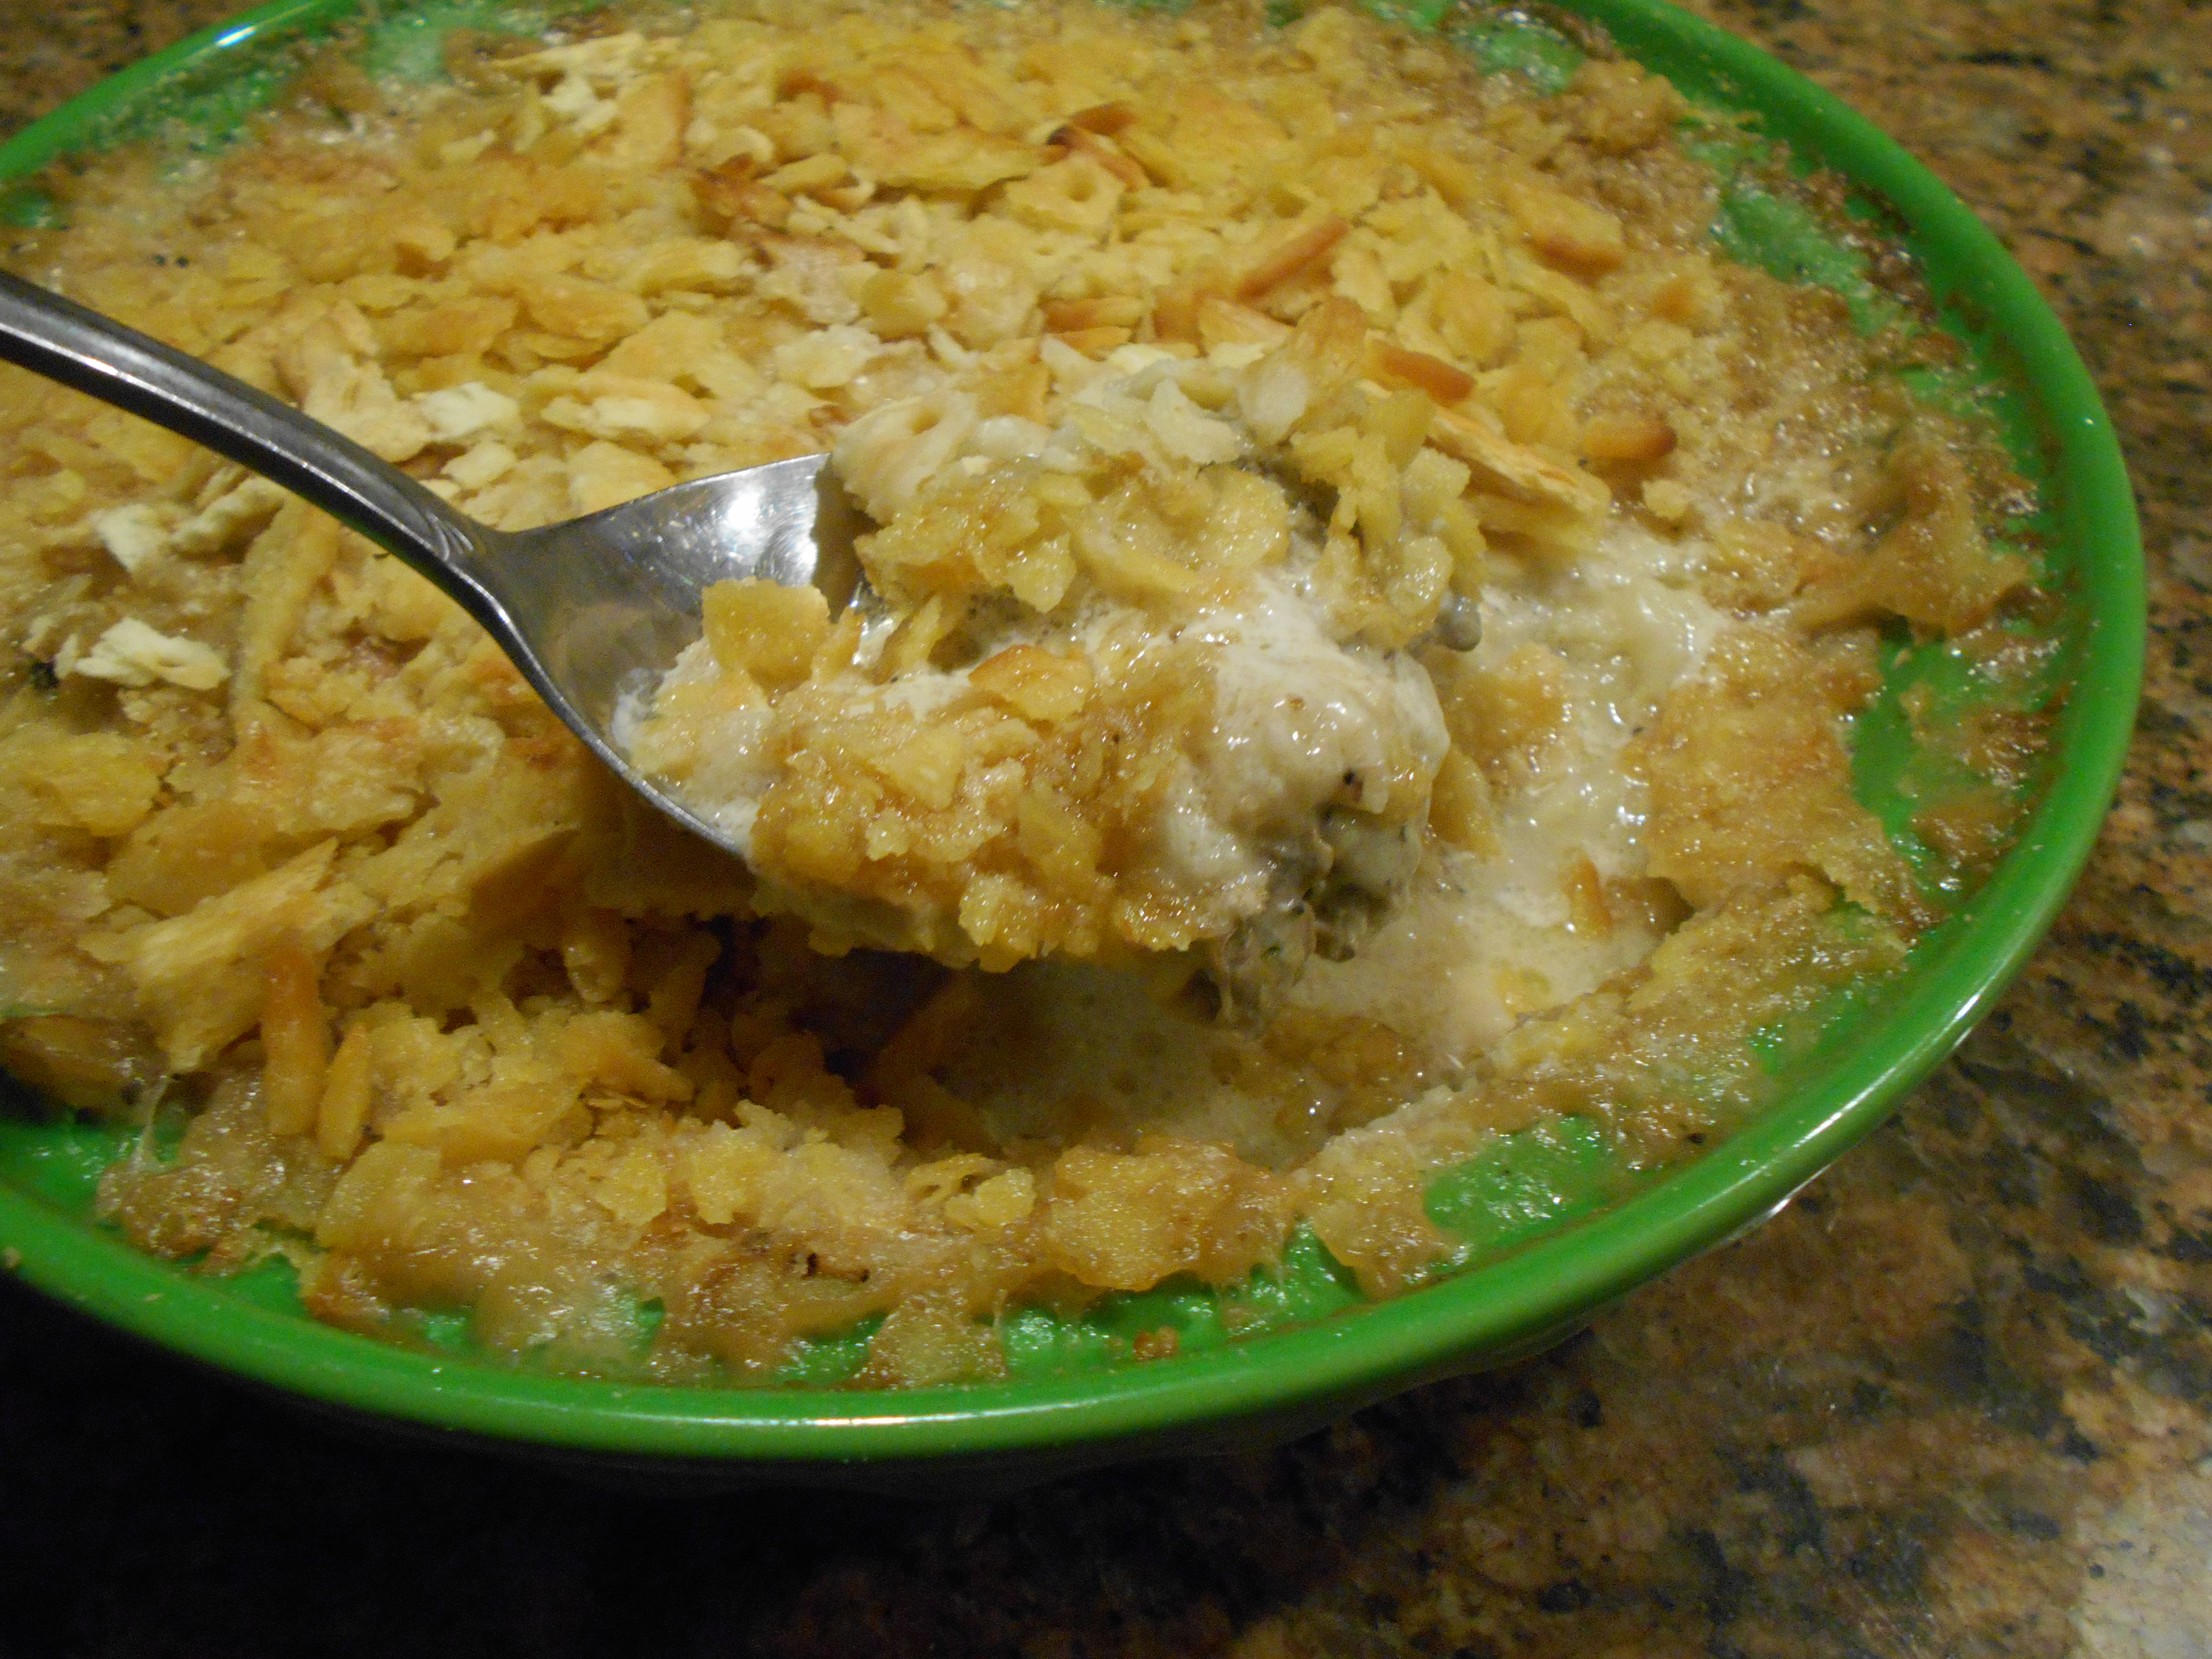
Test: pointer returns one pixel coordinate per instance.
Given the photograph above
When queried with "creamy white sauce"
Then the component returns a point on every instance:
(1623, 627)
(1478, 942)
(1297, 714)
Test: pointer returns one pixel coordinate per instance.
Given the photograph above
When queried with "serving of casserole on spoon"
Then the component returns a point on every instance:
(1110, 688)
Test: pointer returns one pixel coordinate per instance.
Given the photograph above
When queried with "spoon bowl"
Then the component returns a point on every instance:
(593, 610)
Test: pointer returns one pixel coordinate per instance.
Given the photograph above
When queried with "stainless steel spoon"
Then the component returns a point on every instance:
(590, 611)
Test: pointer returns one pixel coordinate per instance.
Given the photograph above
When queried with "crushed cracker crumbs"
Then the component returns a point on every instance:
(1187, 365)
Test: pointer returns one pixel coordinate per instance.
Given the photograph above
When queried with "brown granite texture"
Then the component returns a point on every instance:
(1957, 1400)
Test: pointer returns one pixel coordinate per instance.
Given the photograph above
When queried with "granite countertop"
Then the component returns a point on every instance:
(1956, 1399)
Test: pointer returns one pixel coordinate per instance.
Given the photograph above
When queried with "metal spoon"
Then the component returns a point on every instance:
(590, 611)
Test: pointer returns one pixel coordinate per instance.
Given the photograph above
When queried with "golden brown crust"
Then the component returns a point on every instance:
(1751, 781)
(461, 1025)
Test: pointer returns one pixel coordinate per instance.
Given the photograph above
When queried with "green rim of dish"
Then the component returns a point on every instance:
(1485, 1314)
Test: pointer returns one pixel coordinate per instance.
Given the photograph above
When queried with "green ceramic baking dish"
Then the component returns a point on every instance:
(1552, 1236)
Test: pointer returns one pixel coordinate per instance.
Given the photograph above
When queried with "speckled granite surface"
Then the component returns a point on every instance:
(1957, 1400)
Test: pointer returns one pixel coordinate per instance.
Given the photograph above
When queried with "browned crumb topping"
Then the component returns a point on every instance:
(460, 1024)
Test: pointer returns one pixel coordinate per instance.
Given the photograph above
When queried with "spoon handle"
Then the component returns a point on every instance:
(97, 356)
